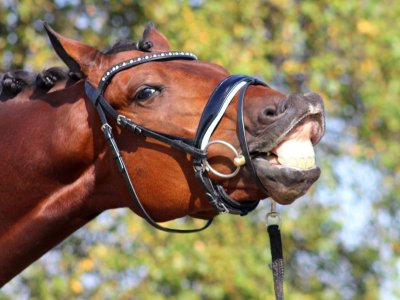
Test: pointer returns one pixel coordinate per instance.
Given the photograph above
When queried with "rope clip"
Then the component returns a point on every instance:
(273, 217)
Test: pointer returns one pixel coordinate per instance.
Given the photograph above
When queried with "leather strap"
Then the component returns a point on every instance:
(107, 130)
(212, 114)
(179, 143)
(242, 134)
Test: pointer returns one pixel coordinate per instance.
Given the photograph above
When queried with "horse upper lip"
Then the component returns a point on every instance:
(271, 136)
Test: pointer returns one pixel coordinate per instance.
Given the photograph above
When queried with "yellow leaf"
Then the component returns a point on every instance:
(86, 264)
(367, 66)
(291, 66)
(76, 286)
(366, 27)
(101, 251)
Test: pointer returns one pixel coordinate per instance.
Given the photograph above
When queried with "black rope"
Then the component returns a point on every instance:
(277, 264)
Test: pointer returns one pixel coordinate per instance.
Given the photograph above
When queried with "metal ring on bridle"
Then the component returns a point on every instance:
(215, 172)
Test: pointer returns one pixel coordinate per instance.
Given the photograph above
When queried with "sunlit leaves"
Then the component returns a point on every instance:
(348, 51)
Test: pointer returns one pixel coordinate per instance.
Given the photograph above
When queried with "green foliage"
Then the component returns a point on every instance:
(349, 51)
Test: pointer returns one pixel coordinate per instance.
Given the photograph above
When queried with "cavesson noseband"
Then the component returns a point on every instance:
(197, 148)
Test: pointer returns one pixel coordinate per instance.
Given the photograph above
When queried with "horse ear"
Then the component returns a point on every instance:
(77, 56)
(153, 40)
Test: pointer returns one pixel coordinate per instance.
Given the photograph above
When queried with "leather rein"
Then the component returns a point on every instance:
(197, 148)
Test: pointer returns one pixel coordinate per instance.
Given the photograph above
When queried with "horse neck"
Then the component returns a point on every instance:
(50, 156)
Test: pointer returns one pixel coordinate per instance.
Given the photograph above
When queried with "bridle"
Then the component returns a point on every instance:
(197, 148)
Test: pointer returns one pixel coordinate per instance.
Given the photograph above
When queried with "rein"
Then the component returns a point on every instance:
(197, 148)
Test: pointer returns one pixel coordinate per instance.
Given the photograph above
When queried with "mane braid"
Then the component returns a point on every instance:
(15, 81)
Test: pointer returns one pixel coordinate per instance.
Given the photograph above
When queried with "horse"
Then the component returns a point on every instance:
(146, 128)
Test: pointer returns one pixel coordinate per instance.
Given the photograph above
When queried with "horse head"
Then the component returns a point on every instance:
(169, 96)
(187, 138)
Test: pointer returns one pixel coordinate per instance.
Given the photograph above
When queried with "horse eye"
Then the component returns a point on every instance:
(145, 93)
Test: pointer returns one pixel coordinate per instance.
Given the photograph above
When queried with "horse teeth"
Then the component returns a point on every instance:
(282, 161)
(297, 162)
(292, 161)
(301, 163)
(310, 162)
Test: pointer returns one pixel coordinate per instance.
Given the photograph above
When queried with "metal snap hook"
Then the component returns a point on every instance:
(238, 161)
(273, 217)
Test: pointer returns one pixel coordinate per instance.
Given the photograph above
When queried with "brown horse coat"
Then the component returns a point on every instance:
(56, 172)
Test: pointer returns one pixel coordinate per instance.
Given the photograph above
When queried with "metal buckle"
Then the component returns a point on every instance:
(224, 209)
(106, 126)
(126, 122)
(122, 119)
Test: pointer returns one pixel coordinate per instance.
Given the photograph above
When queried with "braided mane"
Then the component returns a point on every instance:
(15, 81)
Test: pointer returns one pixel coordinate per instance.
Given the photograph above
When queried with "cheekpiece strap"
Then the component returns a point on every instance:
(242, 134)
(212, 115)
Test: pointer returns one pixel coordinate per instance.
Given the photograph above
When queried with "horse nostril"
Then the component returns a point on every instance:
(270, 112)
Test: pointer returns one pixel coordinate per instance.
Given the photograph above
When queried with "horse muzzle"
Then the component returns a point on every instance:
(282, 153)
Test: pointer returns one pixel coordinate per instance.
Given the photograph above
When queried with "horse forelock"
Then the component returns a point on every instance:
(121, 46)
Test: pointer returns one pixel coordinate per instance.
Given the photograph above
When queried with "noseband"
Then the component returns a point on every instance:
(197, 148)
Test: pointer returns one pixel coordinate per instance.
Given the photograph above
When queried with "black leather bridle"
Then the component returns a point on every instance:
(197, 148)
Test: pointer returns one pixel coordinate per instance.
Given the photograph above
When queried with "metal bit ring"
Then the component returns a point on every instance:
(215, 172)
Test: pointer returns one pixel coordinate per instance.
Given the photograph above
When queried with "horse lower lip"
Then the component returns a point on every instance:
(286, 173)
(284, 183)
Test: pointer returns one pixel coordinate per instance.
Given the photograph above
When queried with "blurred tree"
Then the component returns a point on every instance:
(346, 50)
